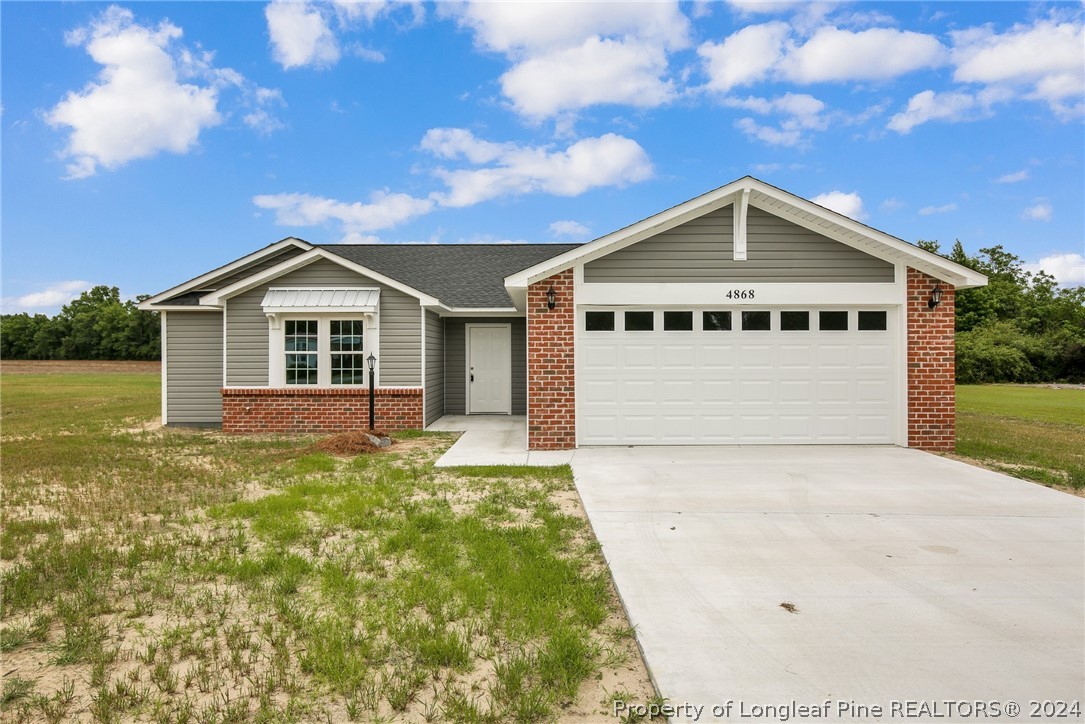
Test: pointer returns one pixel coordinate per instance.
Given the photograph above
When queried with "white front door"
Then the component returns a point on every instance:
(489, 369)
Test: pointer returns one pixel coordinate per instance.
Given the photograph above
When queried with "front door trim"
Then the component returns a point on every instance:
(467, 367)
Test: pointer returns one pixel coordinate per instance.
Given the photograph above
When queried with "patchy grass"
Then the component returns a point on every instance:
(179, 575)
(1035, 433)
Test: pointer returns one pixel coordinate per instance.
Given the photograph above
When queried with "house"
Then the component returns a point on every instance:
(747, 315)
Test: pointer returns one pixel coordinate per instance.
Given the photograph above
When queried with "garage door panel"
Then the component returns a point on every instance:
(639, 356)
(677, 357)
(834, 356)
(717, 357)
(737, 387)
(755, 357)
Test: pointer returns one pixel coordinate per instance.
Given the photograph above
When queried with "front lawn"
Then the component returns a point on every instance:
(191, 576)
(1033, 432)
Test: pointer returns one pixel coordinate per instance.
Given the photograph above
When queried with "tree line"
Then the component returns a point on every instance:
(1021, 327)
(96, 326)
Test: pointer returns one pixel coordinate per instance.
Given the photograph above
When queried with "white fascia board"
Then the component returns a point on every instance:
(933, 264)
(487, 312)
(758, 294)
(223, 270)
(178, 308)
(315, 254)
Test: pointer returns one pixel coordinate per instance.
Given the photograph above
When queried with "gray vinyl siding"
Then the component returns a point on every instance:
(246, 271)
(400, 326)
(193, 368)
(702, 250)
(435, 367)
(456, 362)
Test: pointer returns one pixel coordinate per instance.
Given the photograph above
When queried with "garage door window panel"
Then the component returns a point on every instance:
(872, 321)
(833, 321)
(794, 321)
(639, 321)
(756, 321)
(599, 321)
(677, 321)
(716, 321)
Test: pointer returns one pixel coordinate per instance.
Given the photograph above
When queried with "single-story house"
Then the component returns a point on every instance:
(747, 315)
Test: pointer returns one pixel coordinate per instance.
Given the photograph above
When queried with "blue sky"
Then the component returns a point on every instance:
(145, 143)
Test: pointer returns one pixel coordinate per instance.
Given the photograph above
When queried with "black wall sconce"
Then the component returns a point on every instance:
(551, 298)
(936, 297)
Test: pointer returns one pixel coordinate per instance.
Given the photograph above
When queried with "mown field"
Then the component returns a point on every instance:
(1032, 432)
(171, 575)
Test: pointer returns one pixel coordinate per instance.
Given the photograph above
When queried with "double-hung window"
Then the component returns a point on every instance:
(321, 337)
(324, 350)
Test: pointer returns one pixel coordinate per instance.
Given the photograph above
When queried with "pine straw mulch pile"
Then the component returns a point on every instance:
(355, 442)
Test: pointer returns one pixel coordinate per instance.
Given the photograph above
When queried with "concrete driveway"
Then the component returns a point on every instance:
(914, 578)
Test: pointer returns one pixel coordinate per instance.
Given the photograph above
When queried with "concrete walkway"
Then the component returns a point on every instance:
(493, 440)
(912, 577)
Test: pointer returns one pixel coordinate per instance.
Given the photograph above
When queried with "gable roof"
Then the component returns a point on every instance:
(774, 200)
(462, 276)
(457, 276)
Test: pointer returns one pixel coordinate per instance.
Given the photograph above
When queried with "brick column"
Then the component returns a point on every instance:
(551, 400)
(931, 365)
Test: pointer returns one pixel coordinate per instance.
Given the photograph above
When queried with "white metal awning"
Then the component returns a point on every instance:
(353, 301)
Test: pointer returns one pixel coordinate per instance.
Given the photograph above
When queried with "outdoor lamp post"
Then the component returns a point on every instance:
(372, 366)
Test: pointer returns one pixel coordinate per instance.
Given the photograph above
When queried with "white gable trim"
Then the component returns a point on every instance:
(233, 266)
(218, 297)
(768, 198)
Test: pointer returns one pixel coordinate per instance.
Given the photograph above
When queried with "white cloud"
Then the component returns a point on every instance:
(801, 113)
(598, 71)
(300, 35)
(567, 56)
(1046, 60)
(950, 106)
(608, 160)
(137, 106)
(383, 210)
(745, 56)
(1040, 211)
(507, 169)
(53, 296)
(848, 204)
(891, 204)
(1012, 178)
(831, 54)
(569, 229)
(1068, 269)
(943, 209)
(520, 29)
(837, 55)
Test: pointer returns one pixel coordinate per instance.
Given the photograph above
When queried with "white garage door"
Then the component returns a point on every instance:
(750, 376)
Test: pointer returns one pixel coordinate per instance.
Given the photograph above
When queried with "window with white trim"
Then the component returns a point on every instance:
(325, 351)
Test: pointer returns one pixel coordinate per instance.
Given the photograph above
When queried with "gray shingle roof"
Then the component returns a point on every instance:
(460, 275)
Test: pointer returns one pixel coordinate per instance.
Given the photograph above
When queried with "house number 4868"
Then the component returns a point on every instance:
(740, 294)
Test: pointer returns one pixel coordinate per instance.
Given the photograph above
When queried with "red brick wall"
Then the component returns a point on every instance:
(551, 401)
(931, 364)
(301, 410)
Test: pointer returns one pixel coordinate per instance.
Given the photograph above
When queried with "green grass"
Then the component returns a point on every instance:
(191, 576)
(1035, 433)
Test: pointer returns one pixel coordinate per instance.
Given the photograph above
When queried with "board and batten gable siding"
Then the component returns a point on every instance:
(400, 326)
(456, 362)
(435, 367)
(193, 353)
(702, 251)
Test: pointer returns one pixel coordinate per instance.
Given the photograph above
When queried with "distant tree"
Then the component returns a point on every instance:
(1020, 327)
(97, 325)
